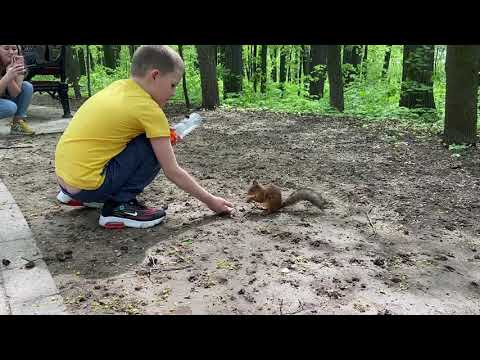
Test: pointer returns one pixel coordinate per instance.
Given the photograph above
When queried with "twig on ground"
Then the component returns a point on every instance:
(370, 221)
(28, 260)
(172, 269)
(16, 147)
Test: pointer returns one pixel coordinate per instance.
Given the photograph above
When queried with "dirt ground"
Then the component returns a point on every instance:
(401, 235)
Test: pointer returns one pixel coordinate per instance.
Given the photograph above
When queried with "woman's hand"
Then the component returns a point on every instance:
(18, 59)
(14, 70)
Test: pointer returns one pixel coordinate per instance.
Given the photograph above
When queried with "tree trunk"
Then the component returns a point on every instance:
(299, 73)
(131, 50)
(232, 75)
(335, 78)
(263, 76)
(254, 68)
(417, 80)
(386, 61)
(306, 60)
(461, 97)
(208, 76)
(296, 63)
(365, 62)
(184, 78)
(282, 70)
(318, 70)
(72, 69)
(89, 62)
(251, 60)
(221, 55)
(109, 56)
(247, 62)
(81, 61)
(351, 57)
(289, 63)
(99, 58)
(117, 51)
(274, 63)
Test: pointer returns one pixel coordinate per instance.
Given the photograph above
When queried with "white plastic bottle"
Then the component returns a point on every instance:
(184, 127)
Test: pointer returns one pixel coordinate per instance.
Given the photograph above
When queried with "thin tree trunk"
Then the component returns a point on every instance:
(221, 55)
(299, 74)
(184, 79)
(289, 63)
(306, 60)
(117, 51)
(254, 63)
(246, 68)
(81, 60)
(282, 70)
(263, 78)
(72, 70)
(131, 50)
(365, 62)
(252, 60)
(386, 61)
(274, 54)
(89, 61)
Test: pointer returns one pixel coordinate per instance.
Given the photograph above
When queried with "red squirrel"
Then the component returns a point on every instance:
(271, 197)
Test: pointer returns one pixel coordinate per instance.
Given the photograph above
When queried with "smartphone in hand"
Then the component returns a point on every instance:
(18, 59)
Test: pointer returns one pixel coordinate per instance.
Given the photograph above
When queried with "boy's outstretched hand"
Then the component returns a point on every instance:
(220, 205)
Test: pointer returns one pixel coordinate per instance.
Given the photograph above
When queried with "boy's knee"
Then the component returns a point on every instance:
(27, 87)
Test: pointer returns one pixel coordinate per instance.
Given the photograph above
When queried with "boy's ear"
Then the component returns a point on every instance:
(156, 73)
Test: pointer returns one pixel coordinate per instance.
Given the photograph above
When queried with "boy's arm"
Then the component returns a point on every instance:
(166, 157)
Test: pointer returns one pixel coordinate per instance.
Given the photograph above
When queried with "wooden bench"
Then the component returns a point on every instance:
(48, 60)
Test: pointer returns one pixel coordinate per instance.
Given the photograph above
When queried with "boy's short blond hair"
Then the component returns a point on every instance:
(160, 57)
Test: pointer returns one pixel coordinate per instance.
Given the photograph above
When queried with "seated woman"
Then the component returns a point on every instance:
(15, 94)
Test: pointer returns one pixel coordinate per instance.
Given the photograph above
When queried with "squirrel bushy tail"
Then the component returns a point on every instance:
(305, 194)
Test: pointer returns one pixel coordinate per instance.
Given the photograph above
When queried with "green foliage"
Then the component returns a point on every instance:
(458, 149)
(368, 97)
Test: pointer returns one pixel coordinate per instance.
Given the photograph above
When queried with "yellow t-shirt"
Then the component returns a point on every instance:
(101, 129)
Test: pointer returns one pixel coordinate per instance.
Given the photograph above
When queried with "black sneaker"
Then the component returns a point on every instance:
(130, 214)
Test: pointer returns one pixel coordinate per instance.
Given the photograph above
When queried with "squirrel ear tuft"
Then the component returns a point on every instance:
(255, 182)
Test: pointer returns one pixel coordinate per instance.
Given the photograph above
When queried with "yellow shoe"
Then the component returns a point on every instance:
(20, 127)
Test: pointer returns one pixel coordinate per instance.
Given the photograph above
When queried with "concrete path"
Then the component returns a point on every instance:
(42, 119)
(23, 289)
(26, 290)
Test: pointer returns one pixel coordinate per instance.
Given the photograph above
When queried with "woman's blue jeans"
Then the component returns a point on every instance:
(17, 107)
